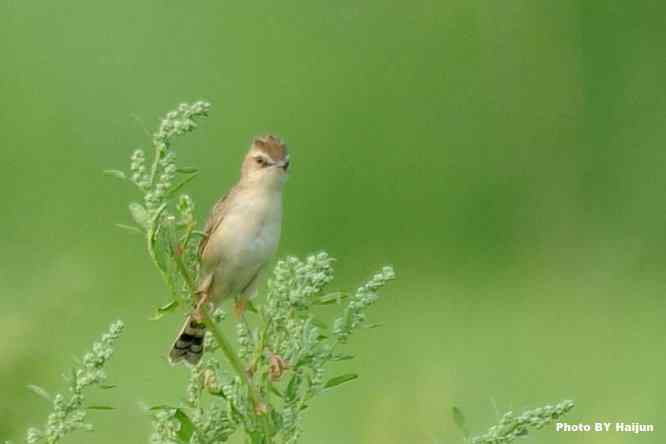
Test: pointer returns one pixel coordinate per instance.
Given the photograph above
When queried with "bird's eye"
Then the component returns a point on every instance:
(260, 161)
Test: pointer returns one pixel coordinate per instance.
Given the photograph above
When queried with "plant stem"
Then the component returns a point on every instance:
(226, 348)
(258, 403)
(183, 271)
(156, 159)
(235, 362)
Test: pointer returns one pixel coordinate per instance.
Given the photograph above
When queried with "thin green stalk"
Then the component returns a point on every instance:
(167, 278)
(156, 159)
(229, 353)
(237, 365)
(186, 274)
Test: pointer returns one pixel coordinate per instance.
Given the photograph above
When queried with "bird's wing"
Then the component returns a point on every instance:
(214, 219)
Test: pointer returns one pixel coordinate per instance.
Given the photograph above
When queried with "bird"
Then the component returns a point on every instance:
(241, 235)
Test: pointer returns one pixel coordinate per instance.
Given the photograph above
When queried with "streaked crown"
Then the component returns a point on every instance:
(272, 146)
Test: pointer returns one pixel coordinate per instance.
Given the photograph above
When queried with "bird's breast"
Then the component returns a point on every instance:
(246, 238)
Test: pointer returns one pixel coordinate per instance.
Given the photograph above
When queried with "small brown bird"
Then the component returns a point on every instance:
(242, 233)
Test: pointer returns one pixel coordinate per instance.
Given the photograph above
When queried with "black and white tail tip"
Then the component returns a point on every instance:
(189, 344)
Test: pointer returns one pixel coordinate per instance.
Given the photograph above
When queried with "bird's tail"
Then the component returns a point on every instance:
(189, 343)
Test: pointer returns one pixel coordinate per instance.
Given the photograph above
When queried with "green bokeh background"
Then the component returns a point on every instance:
(507, 158)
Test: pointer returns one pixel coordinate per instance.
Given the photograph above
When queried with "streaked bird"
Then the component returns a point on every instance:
(241, 235)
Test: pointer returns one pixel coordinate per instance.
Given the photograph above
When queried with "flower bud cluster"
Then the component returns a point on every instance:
(180, 121)
(511, 427)
(69, 415)
(185, 208)
(286, 355)
(138, 169)
(245, 346)
(165, 427)
(354, 315)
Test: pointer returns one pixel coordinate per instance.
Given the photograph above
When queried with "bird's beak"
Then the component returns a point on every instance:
(284, 165)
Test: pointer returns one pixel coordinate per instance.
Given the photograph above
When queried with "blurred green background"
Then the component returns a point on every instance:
(507, 158)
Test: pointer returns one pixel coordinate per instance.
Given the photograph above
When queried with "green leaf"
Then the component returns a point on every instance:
(251, 307)
(186, 427)
(275, 391)
(338, 380)
(276, 420)
(159, 212)
(187, 170)
(153, 231)
(129, 228)
(165, 309)
(139, 214)
(219, 394)
(256, 437)
(162, 248)
(319, 323)
(346, 320)
(161, 407)
(40, 392)
(181, 184)
(370, 326)
(72, 379)
(107, 387)
(292, 387)
(459, 420)
(115, 173)
(342, 357)
(153, 228)
(332, 298)
(100, 407)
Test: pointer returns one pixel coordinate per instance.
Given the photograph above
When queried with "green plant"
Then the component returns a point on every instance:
(165, 217)
(265, 387)
(284, 351)
(285, 356)
(69, 412)
(511, 427)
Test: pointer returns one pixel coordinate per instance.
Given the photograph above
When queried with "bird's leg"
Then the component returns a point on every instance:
(243, 299)
(197, 315)
(203, 296)
(239, 308)
(240, 305)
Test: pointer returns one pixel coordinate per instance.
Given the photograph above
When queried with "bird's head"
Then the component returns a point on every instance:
(267, 162)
